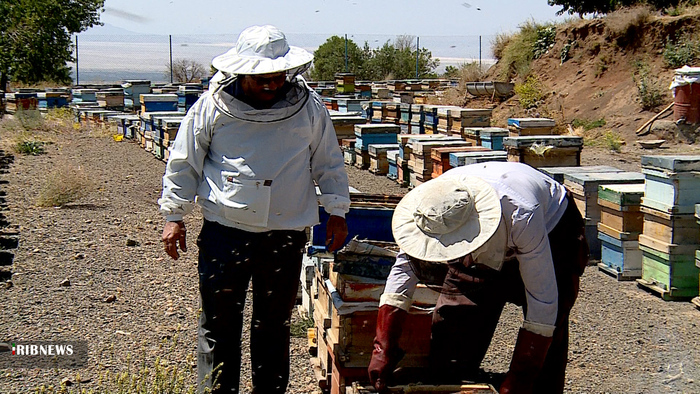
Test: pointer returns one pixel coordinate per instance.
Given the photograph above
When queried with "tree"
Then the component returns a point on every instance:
(582, 7)
(398, 60)
(35, 37)
(329, 59)
(186, 70)
(395, 60)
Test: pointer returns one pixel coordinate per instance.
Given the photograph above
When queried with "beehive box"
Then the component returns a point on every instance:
(557, 173)
(492, 137)
(674, 276)
(521, 127)
(406, 141)
(158, 102)
(375, 133)
(622, 259)
(441, 157)
(584, 187)
(545, 151)
(671, 229)
(391, 157)
(348, 147)
(620, 215)
(362, 160)
(472, 134)
(470, 117)
(344, 125)
(672, 183)
(458, 159)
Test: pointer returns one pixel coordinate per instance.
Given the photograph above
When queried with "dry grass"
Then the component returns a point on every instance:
(624, 25)
(499, 43)
(67, 183)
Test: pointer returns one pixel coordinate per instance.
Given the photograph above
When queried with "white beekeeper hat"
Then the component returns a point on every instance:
(446, 218)
(261, 50)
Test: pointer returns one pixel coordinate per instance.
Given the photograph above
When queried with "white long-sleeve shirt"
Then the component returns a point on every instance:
(532, 205)
(255, 169)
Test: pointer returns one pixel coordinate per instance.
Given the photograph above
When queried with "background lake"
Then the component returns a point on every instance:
(118, 57)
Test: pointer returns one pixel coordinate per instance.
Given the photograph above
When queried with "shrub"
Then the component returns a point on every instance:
(64, 185)
(649, 93)
(299, 329)
(530, 92)
(544, 41)
(30, 120)
(681, 51)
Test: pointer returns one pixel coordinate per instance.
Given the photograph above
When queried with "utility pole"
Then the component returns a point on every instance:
(346, 53)
(170, 36)
(417, 54)
(77, 70)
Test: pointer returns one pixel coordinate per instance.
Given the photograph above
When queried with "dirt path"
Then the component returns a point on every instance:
(94, 270)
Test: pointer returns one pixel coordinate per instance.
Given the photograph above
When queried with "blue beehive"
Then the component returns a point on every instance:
(159, 102)
(620, 258)
(492, 137)
(375, 133)
(672, 183)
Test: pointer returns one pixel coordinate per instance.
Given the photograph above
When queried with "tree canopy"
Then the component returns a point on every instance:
(393, 60)
(35, 37)
(582, 7)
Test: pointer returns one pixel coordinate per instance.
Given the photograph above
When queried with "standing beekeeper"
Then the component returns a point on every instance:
(486, 234)
(248, 152)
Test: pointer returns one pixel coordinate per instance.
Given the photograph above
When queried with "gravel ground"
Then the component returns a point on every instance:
(74, 277)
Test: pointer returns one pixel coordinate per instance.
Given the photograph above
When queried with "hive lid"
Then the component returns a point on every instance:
(672, 163)
(600, 178)
(558, 141)
(531, 122)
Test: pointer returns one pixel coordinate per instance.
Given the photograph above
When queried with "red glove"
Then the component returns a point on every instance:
(528, 359)
(386, 354)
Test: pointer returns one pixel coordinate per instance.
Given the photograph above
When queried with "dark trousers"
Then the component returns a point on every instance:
(468, 311)
(228, 259)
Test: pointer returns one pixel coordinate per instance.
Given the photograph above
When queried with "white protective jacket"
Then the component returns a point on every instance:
(255, 169)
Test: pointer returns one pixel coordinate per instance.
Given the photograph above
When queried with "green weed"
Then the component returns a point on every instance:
(588, 124)
(298, 329)
(30, 148)
(529, 93)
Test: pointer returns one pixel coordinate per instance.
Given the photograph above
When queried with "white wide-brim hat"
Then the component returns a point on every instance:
(261, 50)
(446, 218)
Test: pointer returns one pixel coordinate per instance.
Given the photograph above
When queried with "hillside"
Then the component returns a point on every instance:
(607, 58)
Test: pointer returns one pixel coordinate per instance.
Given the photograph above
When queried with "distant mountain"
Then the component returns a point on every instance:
(108, 29)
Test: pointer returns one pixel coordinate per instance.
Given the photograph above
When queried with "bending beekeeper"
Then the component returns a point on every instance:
(248, 152)
(486, 234)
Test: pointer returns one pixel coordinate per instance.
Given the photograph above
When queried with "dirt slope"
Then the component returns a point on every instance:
(597, 81)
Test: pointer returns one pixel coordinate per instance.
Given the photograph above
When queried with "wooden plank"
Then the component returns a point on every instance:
(624, 236)
(626, 219)
(479, 388)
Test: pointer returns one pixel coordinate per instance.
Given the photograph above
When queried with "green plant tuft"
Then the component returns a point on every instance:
(681, 51)
(299, 329)
(613, 141)
(588, 124)
(30, 148)
(530, 92)
(545, 37)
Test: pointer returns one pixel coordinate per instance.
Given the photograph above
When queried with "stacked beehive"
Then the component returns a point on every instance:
(468, 117)
(372, 133)
(187, 95)
(430, 119)
(670, 233)
(112, 99)
(619, 228)
(378, 158)
(417, 119)
(347, 145)
(392, 113)
(584, 187)
(420, 162)
(345, 293)
(345, 82)
(378, 108)
(405, 118)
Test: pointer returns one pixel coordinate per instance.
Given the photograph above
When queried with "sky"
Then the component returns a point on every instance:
(391, 17)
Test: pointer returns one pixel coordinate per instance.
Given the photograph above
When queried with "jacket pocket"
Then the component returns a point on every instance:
(246, 201)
